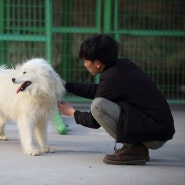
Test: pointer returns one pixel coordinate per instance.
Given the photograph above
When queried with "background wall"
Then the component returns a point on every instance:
(150, 32)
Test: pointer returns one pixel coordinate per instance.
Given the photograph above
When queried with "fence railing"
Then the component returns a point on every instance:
(149, 32)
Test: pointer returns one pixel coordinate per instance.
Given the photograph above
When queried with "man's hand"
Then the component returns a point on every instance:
(66, 108)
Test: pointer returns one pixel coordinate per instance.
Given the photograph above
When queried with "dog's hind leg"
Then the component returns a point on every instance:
(41, 134)
(2, 125)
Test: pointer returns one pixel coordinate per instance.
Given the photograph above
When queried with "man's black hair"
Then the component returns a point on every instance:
(100, 47)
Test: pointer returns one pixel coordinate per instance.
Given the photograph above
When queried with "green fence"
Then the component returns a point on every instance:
(150, 32)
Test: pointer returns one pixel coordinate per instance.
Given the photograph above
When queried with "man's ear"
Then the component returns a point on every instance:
(98, 63)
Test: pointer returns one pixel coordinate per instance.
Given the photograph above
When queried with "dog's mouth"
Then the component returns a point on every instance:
(23, 86)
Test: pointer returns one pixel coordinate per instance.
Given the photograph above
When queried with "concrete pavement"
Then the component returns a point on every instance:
(78, 159)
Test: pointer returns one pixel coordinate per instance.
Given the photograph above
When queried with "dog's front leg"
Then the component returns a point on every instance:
(41, 134)
(2, 135)
(2, 125)
(26, 133)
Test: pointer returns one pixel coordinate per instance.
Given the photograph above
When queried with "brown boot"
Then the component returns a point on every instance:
(129, 155)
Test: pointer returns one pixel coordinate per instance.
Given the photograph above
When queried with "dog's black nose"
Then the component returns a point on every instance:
(13, 79)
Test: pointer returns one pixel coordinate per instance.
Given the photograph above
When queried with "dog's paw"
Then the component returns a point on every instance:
(33, 152)
(47, 150)
(3, 138)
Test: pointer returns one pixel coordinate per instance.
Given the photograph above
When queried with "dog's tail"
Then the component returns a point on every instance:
(3, 67)
(6, 67)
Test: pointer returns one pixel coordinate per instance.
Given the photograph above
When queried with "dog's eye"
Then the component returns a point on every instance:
(24, 72)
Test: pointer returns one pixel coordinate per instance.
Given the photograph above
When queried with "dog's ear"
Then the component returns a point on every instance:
(44, 71)
(49, 79)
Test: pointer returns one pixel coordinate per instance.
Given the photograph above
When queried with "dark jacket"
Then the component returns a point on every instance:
(145, 114)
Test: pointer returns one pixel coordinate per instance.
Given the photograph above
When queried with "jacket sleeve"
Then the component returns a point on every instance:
(85, 90)
(85, 119)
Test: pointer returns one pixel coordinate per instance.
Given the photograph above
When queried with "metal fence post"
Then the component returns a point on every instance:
(107, 16)
(1, 29)
(115, 19)
(48, 25)
(66, 45)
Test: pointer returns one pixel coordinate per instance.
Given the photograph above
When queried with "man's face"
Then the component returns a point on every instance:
(93, 67)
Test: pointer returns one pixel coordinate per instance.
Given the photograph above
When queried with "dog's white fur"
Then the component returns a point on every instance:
(33, 107)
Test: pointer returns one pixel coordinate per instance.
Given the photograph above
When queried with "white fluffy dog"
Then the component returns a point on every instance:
(28, 96)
